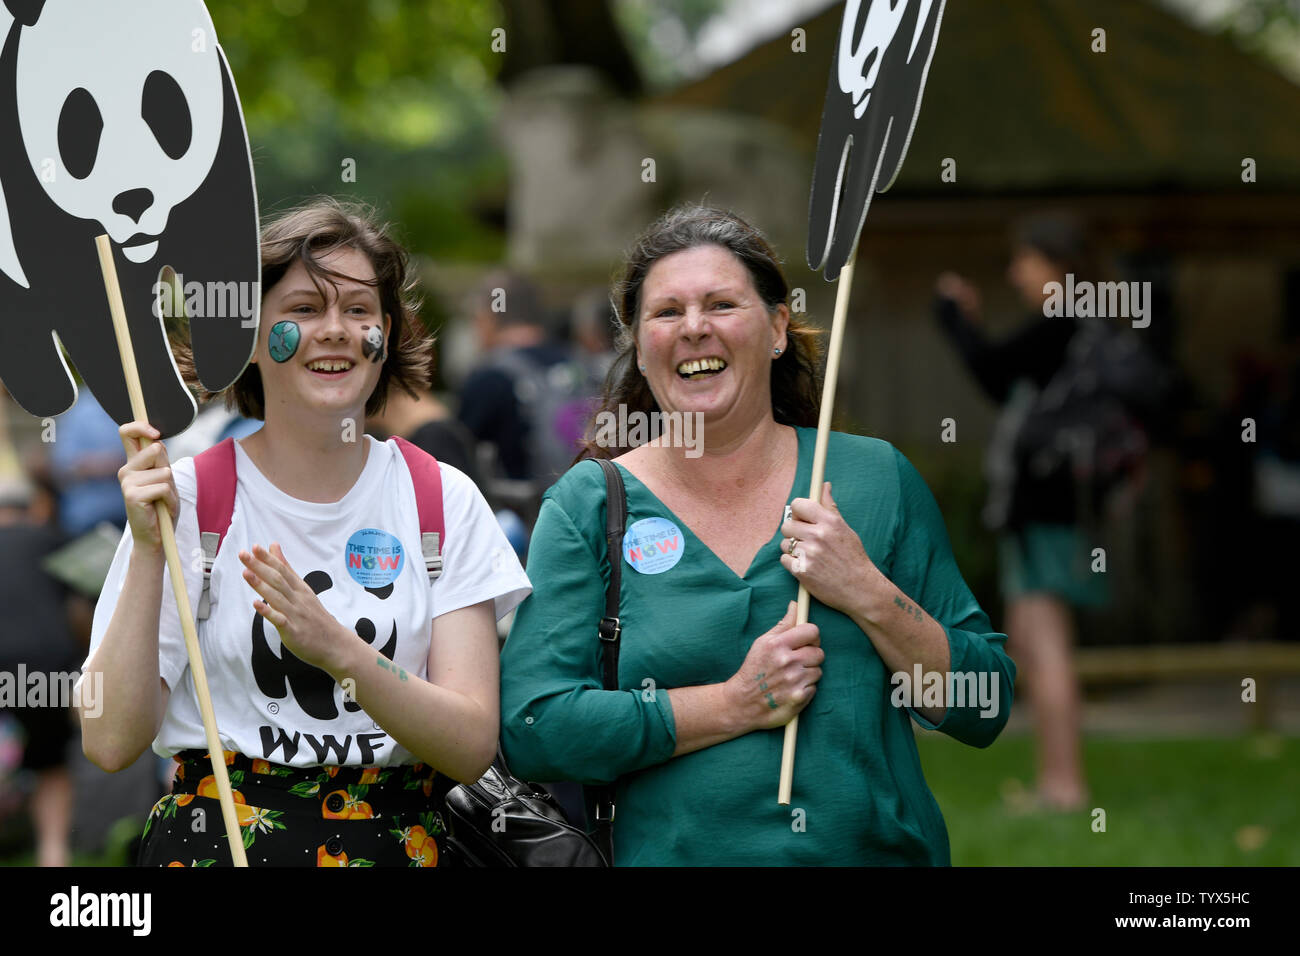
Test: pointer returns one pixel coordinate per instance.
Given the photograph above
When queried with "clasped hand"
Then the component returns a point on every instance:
(825, 555)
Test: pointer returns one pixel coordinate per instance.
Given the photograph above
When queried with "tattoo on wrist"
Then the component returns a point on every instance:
(388, 665)
(911, 609)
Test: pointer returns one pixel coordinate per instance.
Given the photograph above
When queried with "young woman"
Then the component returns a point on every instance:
(349, 692)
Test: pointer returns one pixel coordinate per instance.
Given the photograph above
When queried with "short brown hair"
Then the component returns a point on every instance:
(306, 234)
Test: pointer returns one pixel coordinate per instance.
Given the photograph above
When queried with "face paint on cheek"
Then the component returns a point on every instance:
(283, 342)
(372, 342)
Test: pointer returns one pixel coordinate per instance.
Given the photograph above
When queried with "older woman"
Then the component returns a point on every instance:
(712, 664)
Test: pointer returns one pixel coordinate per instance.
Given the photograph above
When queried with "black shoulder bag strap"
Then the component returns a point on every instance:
(610, 631)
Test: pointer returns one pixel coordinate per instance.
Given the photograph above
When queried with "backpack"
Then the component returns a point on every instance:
(1085, 428)
(475, 813)
(555, 401)
(214, 473)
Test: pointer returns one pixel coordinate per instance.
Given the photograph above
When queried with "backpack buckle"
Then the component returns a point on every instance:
(432, 557)
(209, 541)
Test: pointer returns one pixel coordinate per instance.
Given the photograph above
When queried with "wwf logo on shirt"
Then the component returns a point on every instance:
(313, 689)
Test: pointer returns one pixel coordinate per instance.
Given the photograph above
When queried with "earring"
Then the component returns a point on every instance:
(642, 368)
(776, 351)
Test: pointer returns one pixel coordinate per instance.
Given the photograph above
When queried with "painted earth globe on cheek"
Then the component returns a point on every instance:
(283, 341)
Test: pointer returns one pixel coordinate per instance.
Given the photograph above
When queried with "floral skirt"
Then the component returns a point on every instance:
(293, 816)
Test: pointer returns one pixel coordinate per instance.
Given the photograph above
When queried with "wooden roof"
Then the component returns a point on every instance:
(1018, 98)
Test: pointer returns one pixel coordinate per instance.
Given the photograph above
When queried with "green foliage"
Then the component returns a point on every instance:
(661, 35)
(1269, 28)
(403, 89)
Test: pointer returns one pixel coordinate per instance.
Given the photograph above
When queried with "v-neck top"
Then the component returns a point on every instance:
(798, 489)
(688, 619)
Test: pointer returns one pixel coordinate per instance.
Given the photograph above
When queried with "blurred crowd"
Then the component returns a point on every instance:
(513, 422)
(513, 425)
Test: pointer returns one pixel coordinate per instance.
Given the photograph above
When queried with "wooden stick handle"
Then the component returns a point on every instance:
(233, 834)
(815, 490)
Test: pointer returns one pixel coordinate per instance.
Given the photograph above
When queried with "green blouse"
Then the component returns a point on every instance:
(859, 794)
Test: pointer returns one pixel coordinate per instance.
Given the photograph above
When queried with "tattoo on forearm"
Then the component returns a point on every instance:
(762, 685)
(388, 665)
(911, 609)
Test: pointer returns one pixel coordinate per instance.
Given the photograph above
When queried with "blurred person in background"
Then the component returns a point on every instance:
(529, 396)
(84, 457)
(427, 422)
(213, 424)
(1253, 499)
(1277, 487)
(593, 324)
(37, 639)
(1043, 552)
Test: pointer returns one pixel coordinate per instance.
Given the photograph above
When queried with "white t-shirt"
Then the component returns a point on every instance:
(362, 556)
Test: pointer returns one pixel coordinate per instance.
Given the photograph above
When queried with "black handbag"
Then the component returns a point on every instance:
(610, 631)
(501, 821)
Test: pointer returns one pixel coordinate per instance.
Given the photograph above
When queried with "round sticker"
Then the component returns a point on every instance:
(653, 545)
(373, 558)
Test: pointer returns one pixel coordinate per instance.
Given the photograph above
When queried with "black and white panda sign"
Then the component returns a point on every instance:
(121, 117)
(872, 101)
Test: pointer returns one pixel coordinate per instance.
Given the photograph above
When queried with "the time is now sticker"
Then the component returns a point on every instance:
(653, 545)
(374, 557)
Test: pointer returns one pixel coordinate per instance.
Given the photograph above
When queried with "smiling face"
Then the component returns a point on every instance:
(706, 337)
(325, 368)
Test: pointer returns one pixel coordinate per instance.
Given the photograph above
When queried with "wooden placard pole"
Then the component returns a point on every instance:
(873, 96)
(842, 292)
(233, 833)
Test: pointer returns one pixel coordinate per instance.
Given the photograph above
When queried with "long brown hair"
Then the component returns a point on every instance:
(307, 234)
(796, 388)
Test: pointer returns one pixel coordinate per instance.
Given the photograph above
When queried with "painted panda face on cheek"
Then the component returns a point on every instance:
(126, 133)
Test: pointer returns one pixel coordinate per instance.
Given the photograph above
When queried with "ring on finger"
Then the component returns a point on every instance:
(793, 544)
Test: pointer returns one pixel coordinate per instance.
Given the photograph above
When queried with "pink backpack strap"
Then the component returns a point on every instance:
(214, 477)
(427, 478)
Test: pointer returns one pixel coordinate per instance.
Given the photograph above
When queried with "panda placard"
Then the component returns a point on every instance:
(121, 117)
(872, 101)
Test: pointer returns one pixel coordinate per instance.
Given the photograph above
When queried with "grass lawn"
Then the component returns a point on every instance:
(1168, 802)
(1196, 801)
(114, 853)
